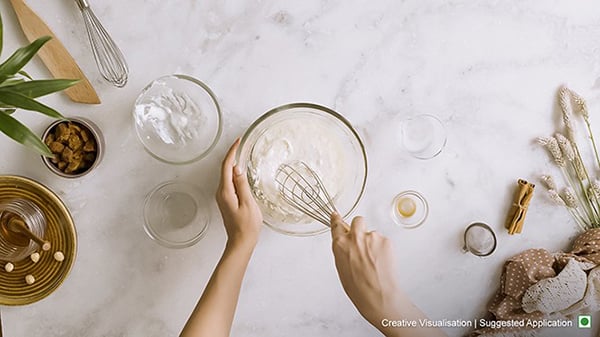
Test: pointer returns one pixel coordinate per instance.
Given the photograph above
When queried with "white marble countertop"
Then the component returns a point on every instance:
(489, 69)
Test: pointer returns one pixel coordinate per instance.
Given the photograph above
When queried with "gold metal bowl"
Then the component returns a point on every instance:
(60, 231)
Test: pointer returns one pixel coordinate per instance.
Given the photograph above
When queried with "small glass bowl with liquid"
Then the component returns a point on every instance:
(15, 246)
(176, 214)
(410, 209)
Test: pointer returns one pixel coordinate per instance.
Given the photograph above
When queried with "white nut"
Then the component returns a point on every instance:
(59, 256)
(35, 257)
(29, 279)
(9, 267)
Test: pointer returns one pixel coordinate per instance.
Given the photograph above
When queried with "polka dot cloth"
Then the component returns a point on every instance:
(527, 268)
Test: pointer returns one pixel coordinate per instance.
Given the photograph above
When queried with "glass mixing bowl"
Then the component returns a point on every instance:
(316, 135)
(177, 119)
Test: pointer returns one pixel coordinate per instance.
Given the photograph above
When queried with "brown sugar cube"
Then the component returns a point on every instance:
(62, 132)
(75, 163)
(62, 165)
(56, 147)
(72, 166)
(67, 155)
(90, 146)
(74, 127)
(49, 139)
(78, 156)
(75, 142)
(85, 136)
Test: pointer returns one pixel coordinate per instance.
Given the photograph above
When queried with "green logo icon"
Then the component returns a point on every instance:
(584, 321)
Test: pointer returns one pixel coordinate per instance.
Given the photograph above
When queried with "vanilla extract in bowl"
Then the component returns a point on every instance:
(410, 209)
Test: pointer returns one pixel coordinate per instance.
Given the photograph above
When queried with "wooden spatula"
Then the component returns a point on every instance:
(54, 55)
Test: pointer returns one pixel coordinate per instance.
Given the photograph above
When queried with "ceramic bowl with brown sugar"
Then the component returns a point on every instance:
(77, 145)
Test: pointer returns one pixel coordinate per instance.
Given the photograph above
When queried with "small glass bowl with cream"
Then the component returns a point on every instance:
(177, 119)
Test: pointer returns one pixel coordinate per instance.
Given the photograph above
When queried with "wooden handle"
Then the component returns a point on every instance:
(54, 55)
(17, 225)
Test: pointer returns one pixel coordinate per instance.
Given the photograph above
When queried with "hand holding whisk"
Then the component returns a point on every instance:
(302, 188)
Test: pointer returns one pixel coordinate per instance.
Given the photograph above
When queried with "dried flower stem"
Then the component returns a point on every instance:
(582, 107)
(550, 183)
(567, 149)
(578, 219)
(564, 100)
(553, 147)
(592, 199)
(580, 196)
(557, 199)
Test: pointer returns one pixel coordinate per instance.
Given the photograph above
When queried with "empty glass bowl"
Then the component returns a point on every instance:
(423, 136)
(177, 119)
(315, 135)
(176, 215)
(15, 246)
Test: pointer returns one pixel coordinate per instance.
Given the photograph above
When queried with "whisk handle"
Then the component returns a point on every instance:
(83, 4)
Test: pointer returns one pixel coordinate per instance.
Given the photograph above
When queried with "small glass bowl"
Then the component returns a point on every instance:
(176, 215)
(423, 136)
(14, 247)
(410, 209)
(94, 132)
(177, 119)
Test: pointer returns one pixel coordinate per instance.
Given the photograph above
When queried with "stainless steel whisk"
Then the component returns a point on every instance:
(108, 56)
(302, 189)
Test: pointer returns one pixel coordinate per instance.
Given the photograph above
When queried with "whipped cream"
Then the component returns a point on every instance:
(172, 116)
(310, 141)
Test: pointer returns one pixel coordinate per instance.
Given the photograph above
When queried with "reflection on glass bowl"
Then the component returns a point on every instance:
(177, 119)
(423, 136)
(316, 135)
(176, 214)
(14, 246)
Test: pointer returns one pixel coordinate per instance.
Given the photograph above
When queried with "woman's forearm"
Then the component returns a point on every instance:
(215, 310)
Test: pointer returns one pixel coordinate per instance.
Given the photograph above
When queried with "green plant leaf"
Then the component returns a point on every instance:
(1, 34)
(11, 81)
(18, 100)
(20, 58)
(21, 134)
(25, 74)
(38, 88)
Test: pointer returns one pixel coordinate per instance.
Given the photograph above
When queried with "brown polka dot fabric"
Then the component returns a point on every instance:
(521, 272)
(527, 268)
(586, 248)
